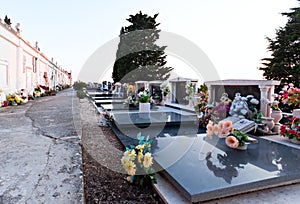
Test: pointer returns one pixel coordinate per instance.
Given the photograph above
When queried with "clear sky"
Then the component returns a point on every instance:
(231, 32)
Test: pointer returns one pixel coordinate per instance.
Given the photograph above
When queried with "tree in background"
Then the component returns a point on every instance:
(138, 57)
(284, 63)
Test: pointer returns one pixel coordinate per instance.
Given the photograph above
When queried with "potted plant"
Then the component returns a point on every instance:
(144, 101)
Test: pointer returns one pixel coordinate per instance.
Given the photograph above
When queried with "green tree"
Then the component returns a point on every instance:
(284, 63)
(138, 56)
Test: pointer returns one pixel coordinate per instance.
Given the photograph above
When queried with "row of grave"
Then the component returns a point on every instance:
(199, 168)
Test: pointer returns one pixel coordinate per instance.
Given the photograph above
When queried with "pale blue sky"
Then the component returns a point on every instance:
(231, 32)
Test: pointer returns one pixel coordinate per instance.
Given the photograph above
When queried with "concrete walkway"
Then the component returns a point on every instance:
(40, 151)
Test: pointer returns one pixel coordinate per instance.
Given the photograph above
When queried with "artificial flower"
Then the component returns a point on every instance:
(232, 142)
(147, 160)
(129, 167)
(143, 97)
(139, 159)
(291, 129)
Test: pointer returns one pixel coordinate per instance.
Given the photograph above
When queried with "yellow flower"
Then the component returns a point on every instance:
(140, 147)
(140, 156)
(124, 160)
(132, 155)
(147, 160)
(129, 166)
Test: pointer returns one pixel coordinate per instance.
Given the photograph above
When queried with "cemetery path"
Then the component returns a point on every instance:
(40, 152)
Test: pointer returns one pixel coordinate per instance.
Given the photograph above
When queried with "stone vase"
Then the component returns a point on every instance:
(277, 116)
(144, 107)
(268, 121)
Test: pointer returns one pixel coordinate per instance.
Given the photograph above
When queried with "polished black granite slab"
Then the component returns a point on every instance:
(204, 169)
(152, 118)
(121, 106)
(100, 94)
(109, 101)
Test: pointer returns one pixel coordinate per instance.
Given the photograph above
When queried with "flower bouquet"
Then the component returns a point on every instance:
(222, 129)
(189, 89)
(165, 89)
(289, 97)
(274, 105)
(291, 130)
(237, 140)
(233, 138)
(252, 106)
(137, 162)
(14, 99)
(143, 97)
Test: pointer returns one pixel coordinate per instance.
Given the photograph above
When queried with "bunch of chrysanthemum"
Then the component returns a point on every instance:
(222, 129)
(291, 129)
(137, 162)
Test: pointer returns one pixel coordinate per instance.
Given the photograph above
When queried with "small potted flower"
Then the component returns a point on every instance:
(144, 101)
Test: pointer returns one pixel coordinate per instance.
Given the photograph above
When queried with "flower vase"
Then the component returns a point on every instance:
(144, 107)
(296, 113)
(277, 116)
(190, 102)
(269, 122)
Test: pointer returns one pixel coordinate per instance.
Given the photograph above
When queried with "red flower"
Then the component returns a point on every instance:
(298, 135)
(282, 129)
(292, 132)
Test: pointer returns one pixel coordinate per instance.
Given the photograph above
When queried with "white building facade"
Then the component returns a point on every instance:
(23, 66)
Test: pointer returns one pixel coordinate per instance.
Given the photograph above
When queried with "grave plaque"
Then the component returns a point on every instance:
(208, 169)
(243, 125)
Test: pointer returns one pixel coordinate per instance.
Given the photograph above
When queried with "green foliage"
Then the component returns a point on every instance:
(284, 64)
(79, 85)
(240, 136)
(80, 94)
(138, 57)
(203, 88)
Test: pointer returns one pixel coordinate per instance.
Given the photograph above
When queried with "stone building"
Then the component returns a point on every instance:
(22, 65)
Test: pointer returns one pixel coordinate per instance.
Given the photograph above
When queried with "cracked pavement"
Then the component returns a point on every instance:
(40, 151)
